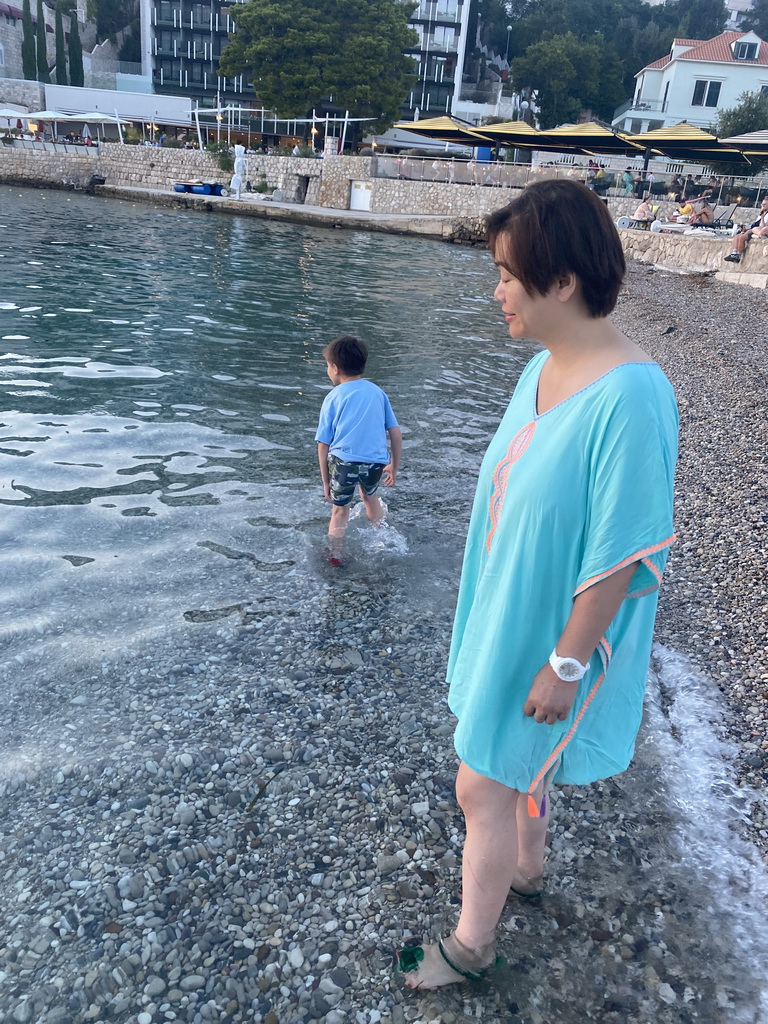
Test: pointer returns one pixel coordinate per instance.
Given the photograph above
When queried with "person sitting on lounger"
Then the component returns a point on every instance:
(683, 213)
(758, 229)
(703, 214)
(644, 212)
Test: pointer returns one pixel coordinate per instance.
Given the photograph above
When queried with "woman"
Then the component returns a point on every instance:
(568, 539)
(627, 181)
(644, 212)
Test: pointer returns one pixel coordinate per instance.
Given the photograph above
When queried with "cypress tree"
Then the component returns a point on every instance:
(76, 73)
(61, 50)
(28, 58)
(43, 75)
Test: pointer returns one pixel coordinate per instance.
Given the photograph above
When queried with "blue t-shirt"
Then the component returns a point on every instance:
(354, 421)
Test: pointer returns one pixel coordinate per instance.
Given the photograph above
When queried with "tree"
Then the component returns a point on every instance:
(61, 51)
(300, 53)
(28, 52)
(43, 74)
(756, 18)
(76, 72)
(569, 76)
(699, 19)
(111, 16)
(749, 115)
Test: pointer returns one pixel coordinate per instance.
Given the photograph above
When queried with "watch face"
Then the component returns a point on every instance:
(569, 669)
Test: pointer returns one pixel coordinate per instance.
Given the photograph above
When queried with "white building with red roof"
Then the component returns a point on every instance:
(696, 79)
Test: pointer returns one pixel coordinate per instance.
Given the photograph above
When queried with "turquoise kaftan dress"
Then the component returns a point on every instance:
(563, 500)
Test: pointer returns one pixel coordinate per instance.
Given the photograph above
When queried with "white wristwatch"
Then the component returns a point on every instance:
(568, 669)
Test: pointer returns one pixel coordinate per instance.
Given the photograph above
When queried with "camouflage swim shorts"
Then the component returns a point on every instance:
(345, 476)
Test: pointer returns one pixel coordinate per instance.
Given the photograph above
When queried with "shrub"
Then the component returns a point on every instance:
(223, 157)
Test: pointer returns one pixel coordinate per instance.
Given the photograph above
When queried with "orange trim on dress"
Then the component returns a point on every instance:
(639, 556)
(605, 652)
(517, 446)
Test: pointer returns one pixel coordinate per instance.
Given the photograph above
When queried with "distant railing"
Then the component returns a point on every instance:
(115, 67)
(462, 171)
(641, 106)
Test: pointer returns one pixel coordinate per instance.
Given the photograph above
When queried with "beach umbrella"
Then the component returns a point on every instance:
(6, 114)
(446, 129)
(590, 138)
(47, 115)
(519, 134)
(751, 143)
(685, 141)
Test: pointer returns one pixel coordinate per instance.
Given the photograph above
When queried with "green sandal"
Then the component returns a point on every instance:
(410, 958)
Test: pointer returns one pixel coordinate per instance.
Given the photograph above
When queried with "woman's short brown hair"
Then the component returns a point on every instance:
(558, 227)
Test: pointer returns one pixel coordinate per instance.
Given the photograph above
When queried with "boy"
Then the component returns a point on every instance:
(352, 435)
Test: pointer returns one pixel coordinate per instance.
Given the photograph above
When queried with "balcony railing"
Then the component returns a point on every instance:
(640, 106)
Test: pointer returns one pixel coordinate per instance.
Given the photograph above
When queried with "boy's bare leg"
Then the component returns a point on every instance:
(373, 508)
(338, 525)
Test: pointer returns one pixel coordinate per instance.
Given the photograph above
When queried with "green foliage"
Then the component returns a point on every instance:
(130, 49)
(43, 74)
(112, 16)
(756, 18)
(301, 53)
(700, 19)
(173, 144)
(28, 45)
(630, 34)
(76, 73)
(61, 51)
(570, 76)
(223, 157)
(749, 115)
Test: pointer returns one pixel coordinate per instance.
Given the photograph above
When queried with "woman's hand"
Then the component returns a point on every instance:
(549, 698)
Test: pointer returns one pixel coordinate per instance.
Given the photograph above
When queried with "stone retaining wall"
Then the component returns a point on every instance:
(691, 252)
(437, 198)
(35, 168)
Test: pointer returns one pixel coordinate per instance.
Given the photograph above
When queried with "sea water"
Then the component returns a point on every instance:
(162, 376)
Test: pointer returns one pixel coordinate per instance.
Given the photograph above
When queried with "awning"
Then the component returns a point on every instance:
(685, 141)
(589, 138)
(511, 133)
(446, 129)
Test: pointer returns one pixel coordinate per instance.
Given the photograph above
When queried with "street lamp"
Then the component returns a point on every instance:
(506, 55)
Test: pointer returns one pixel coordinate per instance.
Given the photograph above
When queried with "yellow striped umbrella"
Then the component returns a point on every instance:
(511, 133)
(589, 138)
(445, 129)
(685, 141)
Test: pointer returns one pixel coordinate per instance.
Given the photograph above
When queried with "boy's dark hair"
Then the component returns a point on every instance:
(348, 353)
(558, 227)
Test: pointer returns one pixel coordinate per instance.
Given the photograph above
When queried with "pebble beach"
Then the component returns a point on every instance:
(274, 815)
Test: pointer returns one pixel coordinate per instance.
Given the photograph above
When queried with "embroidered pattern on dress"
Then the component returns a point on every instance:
(517, 446)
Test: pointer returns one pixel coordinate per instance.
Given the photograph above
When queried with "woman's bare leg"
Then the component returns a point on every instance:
(531, 844)
(488, 867)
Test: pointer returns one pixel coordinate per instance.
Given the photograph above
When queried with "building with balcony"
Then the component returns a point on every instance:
(695, 80)
(442, 28)
(181, 44)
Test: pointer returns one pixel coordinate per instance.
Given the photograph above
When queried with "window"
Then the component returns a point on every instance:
(764, 90)
(705, 94)
(2, 56)
(745, 51)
